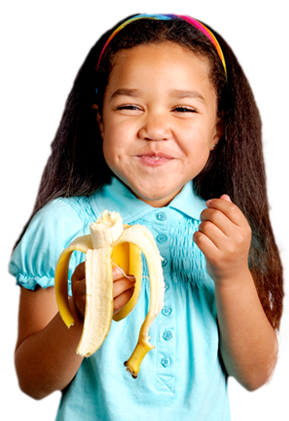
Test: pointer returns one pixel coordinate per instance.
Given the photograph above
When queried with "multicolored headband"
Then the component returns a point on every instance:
(192, 21)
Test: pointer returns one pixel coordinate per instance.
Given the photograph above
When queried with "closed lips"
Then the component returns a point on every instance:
(155, 156)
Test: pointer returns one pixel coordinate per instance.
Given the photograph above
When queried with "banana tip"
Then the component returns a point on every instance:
(130, 370)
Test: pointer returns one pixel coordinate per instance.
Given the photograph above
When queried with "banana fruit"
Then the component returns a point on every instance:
(111, 243)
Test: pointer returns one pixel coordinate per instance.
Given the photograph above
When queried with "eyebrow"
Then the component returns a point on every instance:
(180, 94)
(177, 93)
(126, 92)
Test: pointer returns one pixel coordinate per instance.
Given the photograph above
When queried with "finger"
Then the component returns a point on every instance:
(229, 209)
(122, 285)
(219, 219)
(226, 197)
(205, 244)
(121, 300)
(213, 233)
(79, 295)
(79, 272)
(78, 287)
(117, 273)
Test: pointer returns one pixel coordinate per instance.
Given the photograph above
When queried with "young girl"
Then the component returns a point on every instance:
(160, 126)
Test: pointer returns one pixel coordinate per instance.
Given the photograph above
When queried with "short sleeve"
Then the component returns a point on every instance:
(50, 231)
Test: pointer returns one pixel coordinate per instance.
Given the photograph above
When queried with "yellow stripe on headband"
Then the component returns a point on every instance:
(188, 19)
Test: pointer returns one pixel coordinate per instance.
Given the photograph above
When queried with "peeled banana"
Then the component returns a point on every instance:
(111, 243)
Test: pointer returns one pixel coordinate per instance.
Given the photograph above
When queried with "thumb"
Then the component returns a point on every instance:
(226, 197)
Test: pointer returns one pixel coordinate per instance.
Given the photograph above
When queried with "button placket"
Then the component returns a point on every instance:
(161, 216)
(166, 286)
(162, 238)
(166, 319)
(164, 262)
(167, 335)
(166, 311)
(165, 361)
(166, 342)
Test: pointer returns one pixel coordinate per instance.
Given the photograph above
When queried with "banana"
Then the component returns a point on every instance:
(111, 243)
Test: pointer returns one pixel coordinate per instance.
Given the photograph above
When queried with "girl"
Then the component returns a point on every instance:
(161, 126)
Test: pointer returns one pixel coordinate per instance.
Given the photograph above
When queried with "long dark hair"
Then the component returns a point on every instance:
(77, 167)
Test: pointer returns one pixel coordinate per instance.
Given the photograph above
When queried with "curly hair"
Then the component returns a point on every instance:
(236, 167)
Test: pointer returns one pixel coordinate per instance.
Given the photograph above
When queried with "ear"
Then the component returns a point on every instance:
(218, 132)
(98, 119)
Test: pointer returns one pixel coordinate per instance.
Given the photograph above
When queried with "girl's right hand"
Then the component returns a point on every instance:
(122, 289)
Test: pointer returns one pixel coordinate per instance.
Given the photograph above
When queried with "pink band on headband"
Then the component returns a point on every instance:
(188, 19)
(209, 34)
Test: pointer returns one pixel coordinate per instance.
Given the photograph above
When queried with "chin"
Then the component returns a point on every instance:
(154, 199)
(146, 196)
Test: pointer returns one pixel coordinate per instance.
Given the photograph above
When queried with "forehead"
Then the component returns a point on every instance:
(165, 64)
(169, 51)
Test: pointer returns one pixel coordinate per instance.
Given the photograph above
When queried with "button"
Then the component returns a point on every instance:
(161, 238)
(161, 216)
(164, 262)
(165, 361)
(168, 334)
(166, 285)
(166, 311)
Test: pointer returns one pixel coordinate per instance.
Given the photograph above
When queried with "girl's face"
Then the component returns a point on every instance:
(159, 120)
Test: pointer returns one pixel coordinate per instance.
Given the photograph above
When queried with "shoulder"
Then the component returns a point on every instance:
(59, 221)
(67, 213)
(76, 209)
(50, 230)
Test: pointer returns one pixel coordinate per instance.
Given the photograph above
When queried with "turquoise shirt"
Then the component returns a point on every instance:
(182, 378)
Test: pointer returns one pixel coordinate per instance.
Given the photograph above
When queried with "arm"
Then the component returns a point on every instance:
(248, 342)
(45, 357)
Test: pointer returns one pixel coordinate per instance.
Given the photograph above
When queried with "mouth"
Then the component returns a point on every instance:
(155, 155)
(154, 158)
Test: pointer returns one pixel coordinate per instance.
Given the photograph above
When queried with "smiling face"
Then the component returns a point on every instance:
(159, 120)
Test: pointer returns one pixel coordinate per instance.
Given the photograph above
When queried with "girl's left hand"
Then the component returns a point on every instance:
(224, 237)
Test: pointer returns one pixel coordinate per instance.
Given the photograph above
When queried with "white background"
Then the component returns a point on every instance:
(43, 45)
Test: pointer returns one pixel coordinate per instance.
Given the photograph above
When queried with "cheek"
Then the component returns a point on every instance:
(109, 151)
(108, 147)
(118, 139)
(199, 144)
(202, 156)
(197, 152)
(114, 150)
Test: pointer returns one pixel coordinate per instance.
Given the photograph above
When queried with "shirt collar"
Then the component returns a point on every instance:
(117, 197)
(188, 202)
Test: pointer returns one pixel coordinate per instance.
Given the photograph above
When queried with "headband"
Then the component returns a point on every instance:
(192, 21)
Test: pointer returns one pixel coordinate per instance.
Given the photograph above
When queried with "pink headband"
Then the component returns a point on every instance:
(192, 21)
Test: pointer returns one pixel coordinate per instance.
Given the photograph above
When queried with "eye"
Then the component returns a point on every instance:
(181, 109)
(128, 107)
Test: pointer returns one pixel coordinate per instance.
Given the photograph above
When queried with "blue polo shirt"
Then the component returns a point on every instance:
(182, 378)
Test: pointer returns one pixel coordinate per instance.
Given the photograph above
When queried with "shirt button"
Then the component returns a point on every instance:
(161, 216)
(166, 311)
(165, 361)
(168, 334)
(161, 238)
(164, 262)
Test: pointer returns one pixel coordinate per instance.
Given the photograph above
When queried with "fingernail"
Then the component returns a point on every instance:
(117, 271)
(208, 202)
(226, 197)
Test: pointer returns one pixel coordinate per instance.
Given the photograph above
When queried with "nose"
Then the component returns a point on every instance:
(155, 126)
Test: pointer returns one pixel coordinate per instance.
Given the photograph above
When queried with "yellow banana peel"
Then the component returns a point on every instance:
(111, 243)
